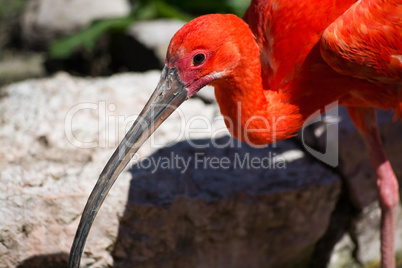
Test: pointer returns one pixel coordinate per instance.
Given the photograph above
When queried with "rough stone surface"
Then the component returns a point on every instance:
(361, 245)
(353, 156)
(56, 135)
(343, 254)
(43, 20)
(361, 186)
(203, 216)
(366, 232)
(355, 163)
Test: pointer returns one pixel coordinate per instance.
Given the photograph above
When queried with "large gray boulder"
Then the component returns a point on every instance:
(224, 210)
(56, 134)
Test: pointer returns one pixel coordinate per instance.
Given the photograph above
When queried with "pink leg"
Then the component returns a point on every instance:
(387, 184)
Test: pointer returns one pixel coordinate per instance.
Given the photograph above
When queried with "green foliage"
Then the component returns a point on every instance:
(87, 38)
(143, 10)
(9, 8)
(197, 8)
(153, 9)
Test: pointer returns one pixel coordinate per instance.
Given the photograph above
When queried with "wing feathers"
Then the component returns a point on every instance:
(366, 41)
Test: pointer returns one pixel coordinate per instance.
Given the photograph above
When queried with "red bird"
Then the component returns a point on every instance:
(271, 71)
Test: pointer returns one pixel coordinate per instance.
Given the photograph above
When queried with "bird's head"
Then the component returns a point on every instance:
(205, 50)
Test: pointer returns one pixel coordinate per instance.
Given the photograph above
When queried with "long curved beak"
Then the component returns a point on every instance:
(168, 95)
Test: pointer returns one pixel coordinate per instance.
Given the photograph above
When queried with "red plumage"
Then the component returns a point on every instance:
(285, 61)
(294, 58)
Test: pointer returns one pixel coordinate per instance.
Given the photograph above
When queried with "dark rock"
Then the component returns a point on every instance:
(223, 215)
(353, 156)
(363, 224)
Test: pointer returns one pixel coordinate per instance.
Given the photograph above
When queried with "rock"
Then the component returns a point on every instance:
(155, 34)
(16, 66)
(361, 186)
(354, 162)
(366, 232)
(207, 94)
(343, 254)
(45, 20)
(56, 135)
(360, 247)
(216, 213)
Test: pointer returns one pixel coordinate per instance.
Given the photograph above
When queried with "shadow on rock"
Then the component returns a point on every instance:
(58, 260)
(221, 203)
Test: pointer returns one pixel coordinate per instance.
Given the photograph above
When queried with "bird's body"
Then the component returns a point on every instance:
(271, 71)
(295, 81)
(311, 54)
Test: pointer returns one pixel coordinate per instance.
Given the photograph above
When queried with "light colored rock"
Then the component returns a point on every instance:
(343, 254)
(56, 135)
(19, 66)
(43, 20)
(366, 232)
(155, 34)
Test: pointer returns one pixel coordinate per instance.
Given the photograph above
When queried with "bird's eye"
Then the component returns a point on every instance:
(198, 59)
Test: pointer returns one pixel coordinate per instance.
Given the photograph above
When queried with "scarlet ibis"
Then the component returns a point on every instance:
(285, 60)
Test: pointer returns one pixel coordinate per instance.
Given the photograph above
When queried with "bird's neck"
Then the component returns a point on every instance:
(253, 114)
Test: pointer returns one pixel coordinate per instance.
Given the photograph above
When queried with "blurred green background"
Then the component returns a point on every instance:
(79, 52)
